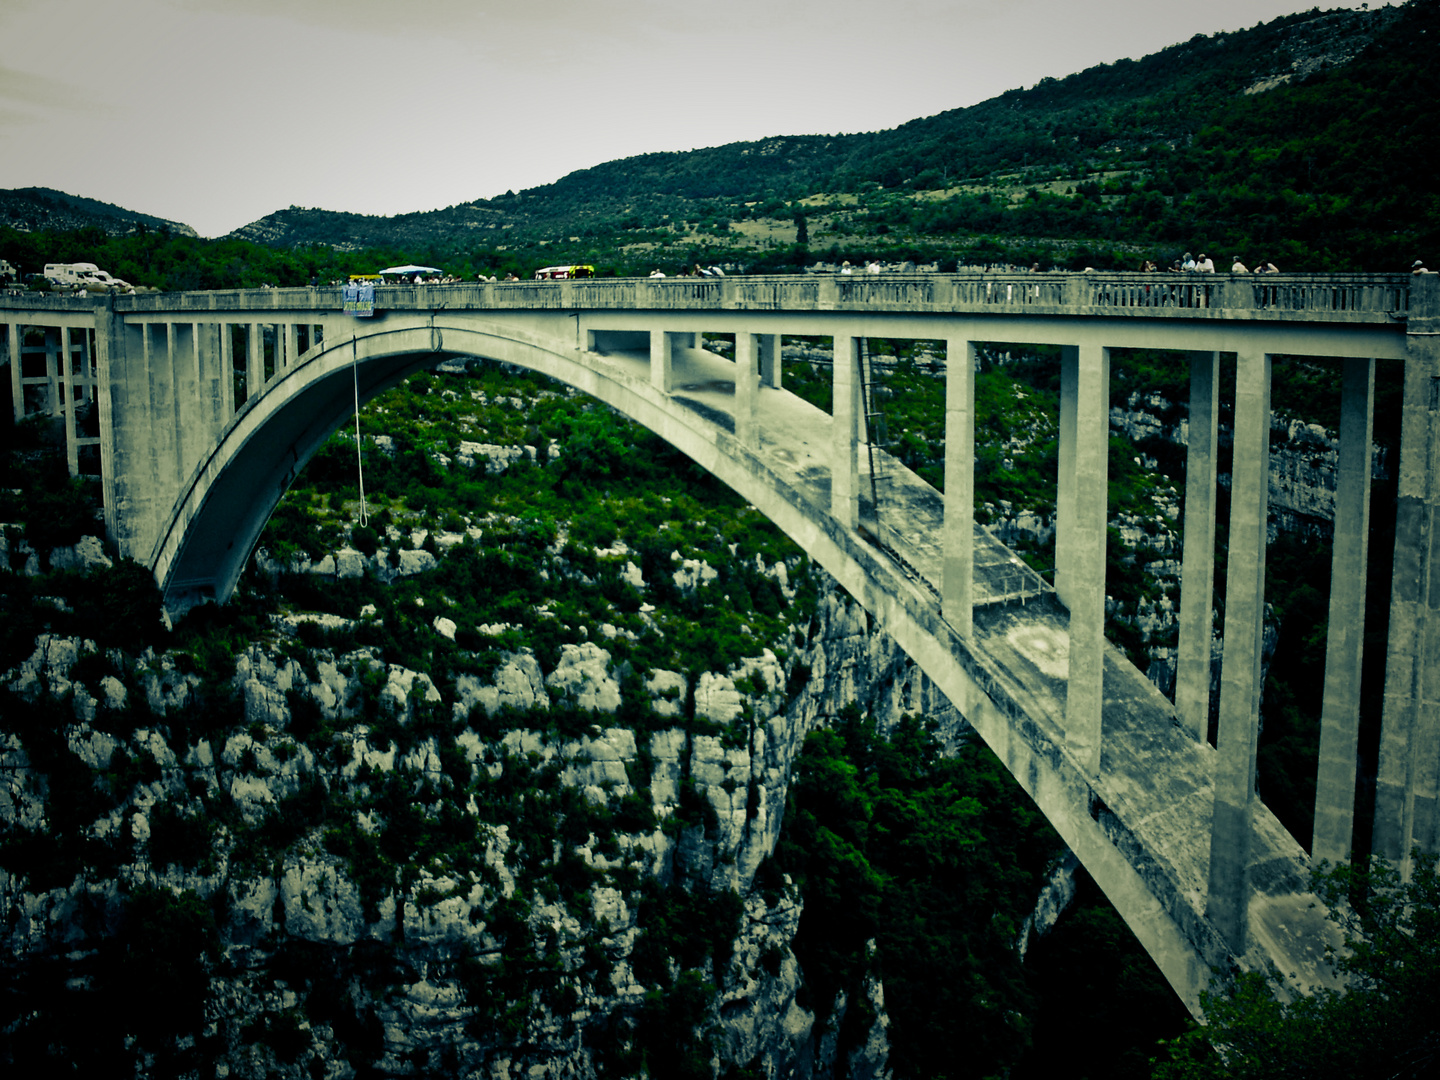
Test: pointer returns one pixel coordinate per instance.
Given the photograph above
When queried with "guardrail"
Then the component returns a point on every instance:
(1325, 297)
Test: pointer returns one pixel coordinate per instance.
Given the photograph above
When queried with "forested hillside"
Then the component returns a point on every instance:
(1306, 141)
(44, 209)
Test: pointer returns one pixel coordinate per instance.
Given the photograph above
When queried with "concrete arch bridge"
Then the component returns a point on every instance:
(210, 403)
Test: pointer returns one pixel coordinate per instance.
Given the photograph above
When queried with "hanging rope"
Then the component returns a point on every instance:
(359, 463)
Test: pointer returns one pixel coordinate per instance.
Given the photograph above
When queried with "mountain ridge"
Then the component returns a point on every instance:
(961, 143)
(30, 209)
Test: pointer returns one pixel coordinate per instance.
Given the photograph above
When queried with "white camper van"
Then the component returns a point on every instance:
(80, 275)
(72, 275)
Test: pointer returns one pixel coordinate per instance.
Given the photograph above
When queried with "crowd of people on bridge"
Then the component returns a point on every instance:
(1182, 264)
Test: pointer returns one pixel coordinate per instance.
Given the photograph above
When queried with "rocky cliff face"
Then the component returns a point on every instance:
(365, 916)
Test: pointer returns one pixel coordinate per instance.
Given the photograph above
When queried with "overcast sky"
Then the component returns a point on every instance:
(217, 112)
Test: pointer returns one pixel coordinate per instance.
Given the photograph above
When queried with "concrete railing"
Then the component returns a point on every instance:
(1311, 297)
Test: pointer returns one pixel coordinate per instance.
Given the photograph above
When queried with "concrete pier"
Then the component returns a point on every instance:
(1085, 537)
(957, 588)
(662, 360)
(1345, 636)
(1197, 573)
(747, 387)
(847, 418)
(1065, 481)
(771, 373)
(1408, 770)
(1232, 827)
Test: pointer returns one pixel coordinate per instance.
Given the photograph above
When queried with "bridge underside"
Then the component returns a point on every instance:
(244, 491)
(1141, 828)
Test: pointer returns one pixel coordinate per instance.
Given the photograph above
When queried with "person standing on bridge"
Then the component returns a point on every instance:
(1238, 267)
(1204, 265)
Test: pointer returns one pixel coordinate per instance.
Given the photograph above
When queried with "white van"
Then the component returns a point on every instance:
(73, 275)
(80, 275)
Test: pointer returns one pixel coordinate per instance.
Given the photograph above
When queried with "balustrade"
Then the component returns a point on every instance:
(1328, 297)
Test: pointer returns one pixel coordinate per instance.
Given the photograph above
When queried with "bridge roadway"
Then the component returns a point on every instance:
(209, 403)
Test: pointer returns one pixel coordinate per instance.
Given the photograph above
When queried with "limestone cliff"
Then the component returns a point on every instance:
(368, 918)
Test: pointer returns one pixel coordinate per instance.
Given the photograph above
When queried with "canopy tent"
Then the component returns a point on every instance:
(412, 269)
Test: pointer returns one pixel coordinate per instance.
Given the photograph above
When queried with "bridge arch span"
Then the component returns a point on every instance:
(270, 439)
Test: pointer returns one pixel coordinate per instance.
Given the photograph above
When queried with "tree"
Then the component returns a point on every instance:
(1385, 1023)
(802, 228)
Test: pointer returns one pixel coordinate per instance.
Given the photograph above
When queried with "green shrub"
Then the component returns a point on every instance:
(178, 838)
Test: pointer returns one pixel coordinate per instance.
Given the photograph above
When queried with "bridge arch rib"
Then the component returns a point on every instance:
(221, 509)
(1130, 853)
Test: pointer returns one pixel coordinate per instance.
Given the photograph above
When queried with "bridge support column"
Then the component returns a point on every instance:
(227, 370)
(17, 392)
(81, 366)
(847, 417)
(292, 348)
(55, 339)
(1344, 647)
(192, 418)
(74, 391)
(210, 379)
(254, 360)
(1197, 575)
(662, 346)
(1088, 467)
(127, 441)
(1230, 827)
(165, 410)
(1406, 774)
(1065, 480)
(770, 367)
(957, 586)
(747, 431)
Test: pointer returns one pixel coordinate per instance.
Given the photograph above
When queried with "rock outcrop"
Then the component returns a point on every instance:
(290, 872)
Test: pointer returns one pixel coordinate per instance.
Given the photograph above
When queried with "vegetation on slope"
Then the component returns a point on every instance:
(914, 869)
(1381, 1027)
(1303, 140)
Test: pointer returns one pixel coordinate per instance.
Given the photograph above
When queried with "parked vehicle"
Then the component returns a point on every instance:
(560, 273)
(82, 275)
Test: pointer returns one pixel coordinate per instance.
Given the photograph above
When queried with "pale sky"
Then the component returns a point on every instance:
(218, 112)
